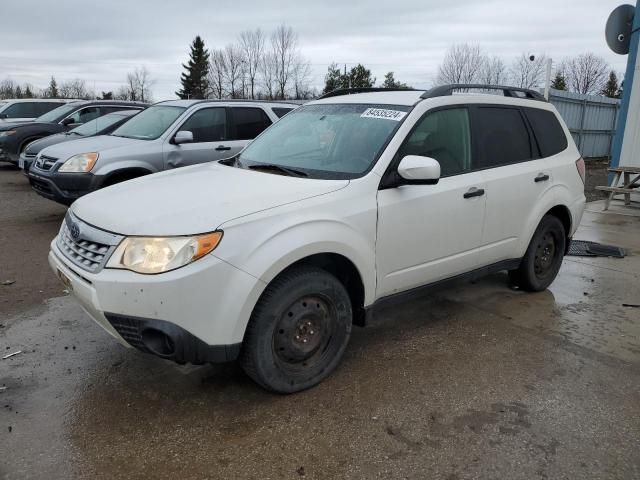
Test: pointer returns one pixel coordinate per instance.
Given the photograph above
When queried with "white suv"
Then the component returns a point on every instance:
(345, 204)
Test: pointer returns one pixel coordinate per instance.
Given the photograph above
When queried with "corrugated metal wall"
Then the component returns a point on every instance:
(590, 118)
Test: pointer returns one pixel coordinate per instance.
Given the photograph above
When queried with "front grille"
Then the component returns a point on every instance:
(45, 163)
(87, 247)
(29, 155)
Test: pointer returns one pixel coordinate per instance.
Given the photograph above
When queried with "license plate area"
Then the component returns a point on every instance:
(21, 163)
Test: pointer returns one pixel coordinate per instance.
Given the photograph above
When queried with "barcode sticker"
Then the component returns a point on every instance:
(394, 115)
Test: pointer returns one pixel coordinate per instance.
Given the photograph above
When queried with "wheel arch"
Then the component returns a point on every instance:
(123, 174)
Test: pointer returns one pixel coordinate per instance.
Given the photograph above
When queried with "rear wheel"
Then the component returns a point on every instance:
(298, 331)
(542, 261)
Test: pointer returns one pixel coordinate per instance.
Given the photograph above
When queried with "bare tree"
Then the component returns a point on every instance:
(527, 73)
(139, 85)
(217, 69)
(462, 64)
(7, 88)
(252, 45)
(493, 71)
(268, 73)
(587, 73)
(76, 88)
(301, 79)
(284, 46)
(233, 61)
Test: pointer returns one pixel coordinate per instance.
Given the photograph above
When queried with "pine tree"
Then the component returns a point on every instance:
(53, 88)
(27, 92)
(333, 78)
(391, 82)
(611, 89)
(559, 82)
(360, 77)
(18, 92)
(195, 79)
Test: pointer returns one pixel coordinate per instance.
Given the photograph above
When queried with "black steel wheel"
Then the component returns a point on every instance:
(543, 258)
(298, 331)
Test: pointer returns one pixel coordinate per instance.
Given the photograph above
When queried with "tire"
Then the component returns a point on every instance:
(298, 331)
(543, 258)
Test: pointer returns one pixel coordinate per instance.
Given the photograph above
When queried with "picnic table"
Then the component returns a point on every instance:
(630, 180)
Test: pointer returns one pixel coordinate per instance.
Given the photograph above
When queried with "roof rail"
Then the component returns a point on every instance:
(349, 91)
(444, 90)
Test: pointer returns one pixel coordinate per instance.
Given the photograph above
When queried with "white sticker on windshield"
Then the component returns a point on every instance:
(383, 113)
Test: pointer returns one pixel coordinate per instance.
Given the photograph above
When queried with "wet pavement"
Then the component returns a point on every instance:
(475, 381)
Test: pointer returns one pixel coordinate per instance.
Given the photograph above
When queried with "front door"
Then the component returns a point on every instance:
(210, 139)
(428, 233)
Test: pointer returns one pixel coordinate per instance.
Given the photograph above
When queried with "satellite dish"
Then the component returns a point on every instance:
(618, 29)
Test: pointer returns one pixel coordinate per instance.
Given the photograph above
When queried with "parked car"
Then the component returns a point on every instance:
(27, 109)
(347, 204)
(166, 135)
(15, 136)
(98, 126)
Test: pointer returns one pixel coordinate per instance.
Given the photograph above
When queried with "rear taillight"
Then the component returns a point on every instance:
(581, 168)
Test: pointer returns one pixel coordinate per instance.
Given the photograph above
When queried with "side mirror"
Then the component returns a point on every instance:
(183, 136)
(417, 170)
(67, 121)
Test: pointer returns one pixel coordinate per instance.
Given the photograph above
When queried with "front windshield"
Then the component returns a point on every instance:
(327, 141)
(57, 113)
(97, 125)
(150, 123)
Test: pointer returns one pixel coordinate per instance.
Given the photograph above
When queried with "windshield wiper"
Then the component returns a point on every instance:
(279, 168)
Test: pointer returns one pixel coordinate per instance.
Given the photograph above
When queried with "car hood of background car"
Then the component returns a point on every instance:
(193, 200)
(100, 143)
(37, 145)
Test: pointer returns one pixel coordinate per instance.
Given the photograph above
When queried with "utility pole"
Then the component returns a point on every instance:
(547, 82)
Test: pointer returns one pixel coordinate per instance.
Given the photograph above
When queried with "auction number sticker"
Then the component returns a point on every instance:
(394, 115)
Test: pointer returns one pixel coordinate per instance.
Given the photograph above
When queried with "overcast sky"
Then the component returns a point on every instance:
(100, 42)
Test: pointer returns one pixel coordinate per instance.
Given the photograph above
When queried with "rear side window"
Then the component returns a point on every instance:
(281, 111)
(20, 110)
(249, 122)
(501, 137)
(44, 107)
(547, 130)
(443, 135)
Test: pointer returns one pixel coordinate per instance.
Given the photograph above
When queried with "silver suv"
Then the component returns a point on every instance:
(166, 135)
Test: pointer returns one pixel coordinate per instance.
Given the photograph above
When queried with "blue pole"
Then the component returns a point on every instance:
(626, 94)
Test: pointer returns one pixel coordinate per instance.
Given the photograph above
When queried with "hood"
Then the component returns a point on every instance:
(10, 124)
(34, 147)
(193, 200)
(99, 143)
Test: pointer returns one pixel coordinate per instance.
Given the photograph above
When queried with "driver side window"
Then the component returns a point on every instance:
(444, 135)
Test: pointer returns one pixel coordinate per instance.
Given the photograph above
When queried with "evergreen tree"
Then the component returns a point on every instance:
(391, 82)
(53, 88)
(559, 82)
(360, 77)
(107, 96)
(18, 92)
(333, 78)
(27, 92)
(611, 89)
(195, 79)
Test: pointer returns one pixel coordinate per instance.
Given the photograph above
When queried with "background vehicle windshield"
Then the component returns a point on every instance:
(97, 125)
(57, 113)
(327, 141)
(150, 123)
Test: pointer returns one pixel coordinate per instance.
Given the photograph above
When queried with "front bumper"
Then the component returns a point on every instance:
(202, 308)
(64, 188)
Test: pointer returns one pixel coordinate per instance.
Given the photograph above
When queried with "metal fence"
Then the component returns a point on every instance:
(590, 118)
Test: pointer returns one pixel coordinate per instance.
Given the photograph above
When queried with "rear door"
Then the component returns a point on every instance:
(515, 175)
(209, 127)
(247, 124)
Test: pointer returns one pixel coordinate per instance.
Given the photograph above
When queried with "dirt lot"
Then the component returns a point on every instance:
(476, 381)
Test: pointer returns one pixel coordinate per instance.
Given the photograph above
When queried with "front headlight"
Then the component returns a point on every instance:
(157, 255)
(6, 133)
(83, 162)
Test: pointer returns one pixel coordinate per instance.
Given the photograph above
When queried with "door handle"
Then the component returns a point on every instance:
(474, 192)
(221, 148)
(542, 177)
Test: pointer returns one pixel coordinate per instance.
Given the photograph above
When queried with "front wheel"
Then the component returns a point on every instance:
(543, 258)
(298, 331)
